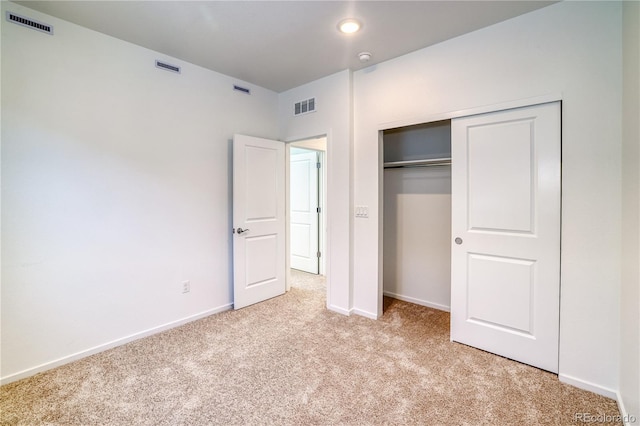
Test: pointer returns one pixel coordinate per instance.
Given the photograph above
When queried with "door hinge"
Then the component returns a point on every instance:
(318, 210)
(318, 165)
(318, 254)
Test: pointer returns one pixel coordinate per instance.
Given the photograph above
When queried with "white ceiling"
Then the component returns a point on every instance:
(282, 44)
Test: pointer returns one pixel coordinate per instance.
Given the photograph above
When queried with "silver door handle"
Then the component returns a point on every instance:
(241, 231)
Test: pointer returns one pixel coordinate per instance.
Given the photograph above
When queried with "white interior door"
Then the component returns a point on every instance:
(303, 199)
(505, 276)
(258, 220)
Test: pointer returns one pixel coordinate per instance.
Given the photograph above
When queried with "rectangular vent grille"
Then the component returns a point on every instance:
(168, 67)
(304, 107)
(242, 89)
(29, 23)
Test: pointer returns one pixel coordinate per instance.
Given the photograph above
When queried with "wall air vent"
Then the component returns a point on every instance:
(242, 89)
(168, 67)
(29, 23)
(304, 107)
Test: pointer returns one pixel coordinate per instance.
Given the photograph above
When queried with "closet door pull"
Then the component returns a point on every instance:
(458, 240)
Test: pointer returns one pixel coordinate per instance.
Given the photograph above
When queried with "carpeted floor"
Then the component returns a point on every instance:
(289, 361)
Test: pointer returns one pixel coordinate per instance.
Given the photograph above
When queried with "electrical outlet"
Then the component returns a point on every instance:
(186, 286)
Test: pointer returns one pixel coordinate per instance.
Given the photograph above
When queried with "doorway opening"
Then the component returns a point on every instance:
(306, 213)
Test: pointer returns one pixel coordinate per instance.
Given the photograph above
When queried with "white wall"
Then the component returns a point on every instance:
(572, 49)
(417, 235)
(333, 119)
(317, 144)
(630, 292)
(417, 217)
(116, 188)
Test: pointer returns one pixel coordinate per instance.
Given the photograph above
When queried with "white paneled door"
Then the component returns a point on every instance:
(258, 220)
(304, 214)
(505, 277)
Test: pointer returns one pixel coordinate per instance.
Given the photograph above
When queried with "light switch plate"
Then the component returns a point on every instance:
(362, 211)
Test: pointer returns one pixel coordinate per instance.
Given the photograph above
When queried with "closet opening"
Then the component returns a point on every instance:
(479, 238)
(417, 214)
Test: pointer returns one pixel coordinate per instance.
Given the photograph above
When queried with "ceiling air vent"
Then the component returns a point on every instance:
(168, 67)
(29, 23)
(304, 107)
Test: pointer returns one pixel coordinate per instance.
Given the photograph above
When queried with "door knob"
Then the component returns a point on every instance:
(458, 240)
(241, 231)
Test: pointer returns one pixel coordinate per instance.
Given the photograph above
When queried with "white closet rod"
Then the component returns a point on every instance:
(418, 163)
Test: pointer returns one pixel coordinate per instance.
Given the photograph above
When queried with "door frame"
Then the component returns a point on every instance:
(323, 222)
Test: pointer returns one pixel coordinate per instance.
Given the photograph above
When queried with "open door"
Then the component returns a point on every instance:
(304, 213)
(505, 260)
(259, 244)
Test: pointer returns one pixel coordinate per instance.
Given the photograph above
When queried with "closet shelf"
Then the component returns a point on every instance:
(418, 163)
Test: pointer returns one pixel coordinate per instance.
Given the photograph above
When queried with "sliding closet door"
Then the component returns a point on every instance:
(505, 273)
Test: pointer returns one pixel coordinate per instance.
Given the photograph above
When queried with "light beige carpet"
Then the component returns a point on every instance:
(289, 361)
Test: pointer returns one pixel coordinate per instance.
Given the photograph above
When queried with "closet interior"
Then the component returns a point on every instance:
(417, 214)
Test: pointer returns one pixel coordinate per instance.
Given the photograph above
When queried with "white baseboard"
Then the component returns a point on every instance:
(365, 314)
(352, 311)
(114, 343)
(627, 419)
(591, 387)
(418, 301)
(338, 309)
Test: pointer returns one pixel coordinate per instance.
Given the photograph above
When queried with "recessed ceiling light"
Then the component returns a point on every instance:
(349, 26)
